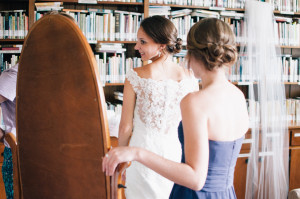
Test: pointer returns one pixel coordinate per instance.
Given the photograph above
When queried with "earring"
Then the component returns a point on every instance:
(159, 53)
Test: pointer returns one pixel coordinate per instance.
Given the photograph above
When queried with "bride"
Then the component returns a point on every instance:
(151, 111)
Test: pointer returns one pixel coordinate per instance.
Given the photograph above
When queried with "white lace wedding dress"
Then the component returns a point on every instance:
(156, 118)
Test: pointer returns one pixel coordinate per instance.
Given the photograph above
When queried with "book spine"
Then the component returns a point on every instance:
(105, 27)
(117, 26)
(6, 25)
(111, 27)
(122, 27)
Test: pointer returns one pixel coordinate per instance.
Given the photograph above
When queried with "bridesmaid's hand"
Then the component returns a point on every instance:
(116, 156)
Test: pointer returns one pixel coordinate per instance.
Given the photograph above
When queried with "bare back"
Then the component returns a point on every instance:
(226, 111)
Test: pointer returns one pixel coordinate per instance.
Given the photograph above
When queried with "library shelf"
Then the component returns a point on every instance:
(197, 7)
(290, 47)
(98, 2)
(247, 83)
(118, 42)
(12, 40)
(114, 84)
(235, 83)
(293, 127)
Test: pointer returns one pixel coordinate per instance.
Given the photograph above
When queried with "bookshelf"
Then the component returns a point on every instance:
(292, 88)
(13, 29)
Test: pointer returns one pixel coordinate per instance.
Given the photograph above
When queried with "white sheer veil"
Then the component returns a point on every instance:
(267, 170)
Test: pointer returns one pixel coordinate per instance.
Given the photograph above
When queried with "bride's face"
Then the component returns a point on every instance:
(148, 49)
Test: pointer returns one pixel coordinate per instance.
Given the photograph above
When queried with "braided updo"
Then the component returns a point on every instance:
(212, 42)
(162, 31)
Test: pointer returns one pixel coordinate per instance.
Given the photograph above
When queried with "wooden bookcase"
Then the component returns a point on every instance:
(2, 188)
(294, 158)
(292, 89)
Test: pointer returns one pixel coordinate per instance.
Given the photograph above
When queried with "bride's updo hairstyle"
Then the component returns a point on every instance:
(162, 31)
(212, 42)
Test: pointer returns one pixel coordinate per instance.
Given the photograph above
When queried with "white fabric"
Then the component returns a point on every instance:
(267, 170)
(8, 85)
(294, 194)
(156, 119)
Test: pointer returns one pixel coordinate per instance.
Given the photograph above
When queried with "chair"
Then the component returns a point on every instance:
(11, 140)
(294, 194)
(117, 182)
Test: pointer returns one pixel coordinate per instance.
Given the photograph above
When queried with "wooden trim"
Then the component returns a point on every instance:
(12, 1)
(217, 8)
(294, 147)
(114, 84)
(245, 83)
(11, 40)
(235, 83)
(118, 3)
(99, 2)
(30, 14)
(123, 42)
(11, 140)
(294, 47)
(294, 127)
(197, 7)
(146, 8)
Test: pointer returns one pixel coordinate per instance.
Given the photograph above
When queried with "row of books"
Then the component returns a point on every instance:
(111, 25)
(213, 4)
(288, 31)
(286, 5)
(187, 18)
(292, 107)
(6, 64)
(105, 25)
(113, 117)
(288, 28)
(180, 61)
(132, 1)
(8, 47)
(114, 68)
(115, 25)
(118, 95)
(48, 6)
(240, 71)
(13, 24)
(293, 111)
(291, 68)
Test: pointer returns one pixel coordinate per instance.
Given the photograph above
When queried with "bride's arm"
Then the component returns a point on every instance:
(191, 174)
(126, 123)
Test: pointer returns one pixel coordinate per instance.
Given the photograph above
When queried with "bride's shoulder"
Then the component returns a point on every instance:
(148, 71)
(139, 74)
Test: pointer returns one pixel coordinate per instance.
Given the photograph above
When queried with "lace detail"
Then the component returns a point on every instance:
(158, 101)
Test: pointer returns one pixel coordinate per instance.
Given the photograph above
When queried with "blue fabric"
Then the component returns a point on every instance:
(219, 181)
(7, 173)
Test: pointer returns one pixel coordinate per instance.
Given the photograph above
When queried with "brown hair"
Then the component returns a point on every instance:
(212, 41)
(162, 31)
(54, 12)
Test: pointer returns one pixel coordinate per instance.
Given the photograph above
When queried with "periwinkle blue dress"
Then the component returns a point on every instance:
(219, 182)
